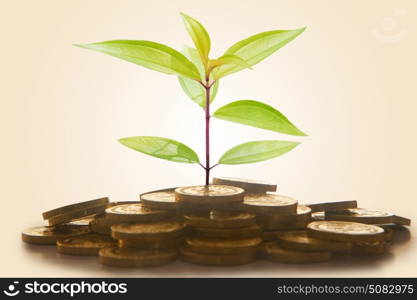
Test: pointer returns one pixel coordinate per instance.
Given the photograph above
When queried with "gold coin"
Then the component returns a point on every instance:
(84, 222)
(222, 246)
(360, 215)
(43, 235)
(233, 233)
(274, 252)
(299, 240)
(154, 230)
(402, 221)
(345, 231)
(86, 244)
(213, 220)
(286, 222)
(157, 244)
(115, 203)
(250, 186)
(318, 216)
(101, 224)
(370, 248)
(388, 231)
(269, 204)
(207, 195)
(77, 206)
(130, 257)
(76, 214)
(159, 200)
(131, 213)
(216, 260)
(329, 206)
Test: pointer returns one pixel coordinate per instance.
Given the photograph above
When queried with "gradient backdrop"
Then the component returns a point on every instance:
(349, 81)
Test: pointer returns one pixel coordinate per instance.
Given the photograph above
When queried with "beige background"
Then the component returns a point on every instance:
(348, 81)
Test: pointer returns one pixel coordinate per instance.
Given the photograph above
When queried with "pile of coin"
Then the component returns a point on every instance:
(230, 222)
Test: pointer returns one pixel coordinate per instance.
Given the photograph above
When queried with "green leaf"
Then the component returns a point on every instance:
(258, 47)
(227, 59)
(196, 92)
(256, 151)
(257, 114)
(199, 36)
(192, 88)
(161, 148)
(148, 54)
(194, 57)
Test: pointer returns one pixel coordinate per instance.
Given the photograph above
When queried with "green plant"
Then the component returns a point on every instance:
(199, 77)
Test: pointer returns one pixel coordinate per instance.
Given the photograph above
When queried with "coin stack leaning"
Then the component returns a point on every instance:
(64, 222)
(218, 235)
(146, 237)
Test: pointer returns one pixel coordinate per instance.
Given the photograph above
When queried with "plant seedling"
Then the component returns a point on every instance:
(199, 77)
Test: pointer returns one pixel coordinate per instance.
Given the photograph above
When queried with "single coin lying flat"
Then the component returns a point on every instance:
(43, 235)
(318, 216)
(222, 246)
(232, 233)
(86, 244)
(155, 230)
(213, 220)
(402, 221)
(360, 215)
(216, 260)
(274, 252)
(130, 257)
(329, 206)
(269, 204)
(301, 241)
(130, 213)
(345, 231)
(250, 186)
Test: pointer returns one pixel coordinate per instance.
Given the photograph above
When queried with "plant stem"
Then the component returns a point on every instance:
(207, 110)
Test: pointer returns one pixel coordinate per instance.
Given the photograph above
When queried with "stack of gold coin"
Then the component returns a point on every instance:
(101, 223)
(211, 197)
(135, 213)
(221, 238)
(144, 244)
(276, 223)
(226, 223)
(365, 238)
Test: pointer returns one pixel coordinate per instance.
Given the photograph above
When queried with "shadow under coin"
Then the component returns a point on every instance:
(401, 235)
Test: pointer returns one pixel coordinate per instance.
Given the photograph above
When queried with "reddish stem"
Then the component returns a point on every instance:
(207, 110)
